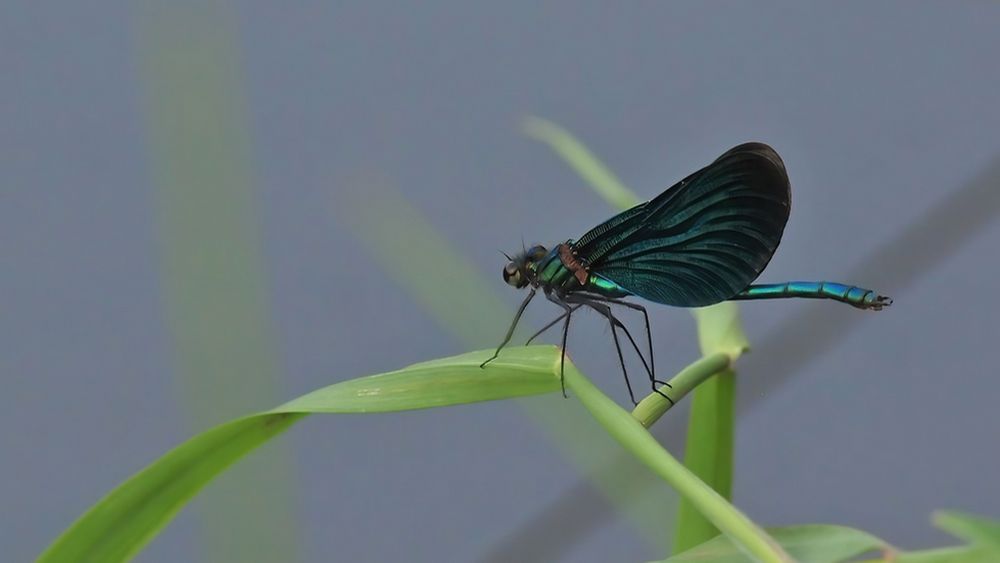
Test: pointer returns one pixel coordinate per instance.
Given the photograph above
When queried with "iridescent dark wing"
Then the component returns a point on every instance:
(703, 240)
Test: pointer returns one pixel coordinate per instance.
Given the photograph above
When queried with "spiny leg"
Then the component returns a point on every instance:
(615, 321)
(513, 325)
(562, 357)
(548, 326)
(590, 298)
(635, 346)
(597, 303)
(649, 341)
(565, 335)
(606, 312)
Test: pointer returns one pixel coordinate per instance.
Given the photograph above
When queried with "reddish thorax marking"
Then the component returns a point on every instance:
(572, 263)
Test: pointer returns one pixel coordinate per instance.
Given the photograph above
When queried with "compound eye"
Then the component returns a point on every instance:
(512, 275)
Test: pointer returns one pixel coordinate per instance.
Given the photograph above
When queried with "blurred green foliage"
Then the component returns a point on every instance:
(213, 274)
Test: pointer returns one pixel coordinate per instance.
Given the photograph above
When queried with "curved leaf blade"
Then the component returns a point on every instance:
(118, 526)
(584, 163)
(131, 515)
(630, 433)
(974, 529)
(712, 422)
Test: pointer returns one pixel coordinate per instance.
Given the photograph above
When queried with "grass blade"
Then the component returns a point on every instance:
(744, 534)
(124, 521)
(711, 426)
(708, 454)
(587, 166)
(812, 543)
(213, 271)
(974, 529)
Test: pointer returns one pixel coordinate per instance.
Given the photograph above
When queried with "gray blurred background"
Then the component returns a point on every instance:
(203, 209)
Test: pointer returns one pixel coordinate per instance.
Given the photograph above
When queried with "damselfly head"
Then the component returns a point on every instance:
(520, 270)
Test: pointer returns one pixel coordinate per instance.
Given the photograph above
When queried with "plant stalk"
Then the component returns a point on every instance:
(630, 433)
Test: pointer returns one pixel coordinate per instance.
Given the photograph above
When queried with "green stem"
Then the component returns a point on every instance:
(641, 444)
(711, 425)
(709, 454)
(650, 409)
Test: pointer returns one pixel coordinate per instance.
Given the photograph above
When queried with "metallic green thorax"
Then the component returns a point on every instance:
(552, 273)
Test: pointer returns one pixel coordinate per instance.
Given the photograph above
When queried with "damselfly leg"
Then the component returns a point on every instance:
(570, 304)
(615, 323)
(601, 306)
(565, 335)
(513, 325)
(551, 324)
(649, 341)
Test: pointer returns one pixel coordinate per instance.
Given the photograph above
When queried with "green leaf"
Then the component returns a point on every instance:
(982, 534)
(708, 454)
(125, 520)
(213, 269)
(808, 544)
(121, 523)
(630, 433)
(974, 529)
(711, 427)
(960, 554)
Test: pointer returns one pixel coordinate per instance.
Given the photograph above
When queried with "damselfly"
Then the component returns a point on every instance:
(704, 240)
